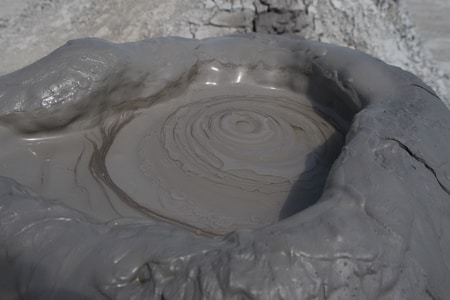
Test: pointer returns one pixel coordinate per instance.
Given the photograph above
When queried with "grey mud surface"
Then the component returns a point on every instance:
(242, 167)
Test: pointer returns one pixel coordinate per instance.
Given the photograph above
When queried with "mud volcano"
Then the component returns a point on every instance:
(242, 167)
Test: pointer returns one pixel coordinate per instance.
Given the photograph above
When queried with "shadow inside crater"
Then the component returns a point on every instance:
(337, 105)
(310, 184)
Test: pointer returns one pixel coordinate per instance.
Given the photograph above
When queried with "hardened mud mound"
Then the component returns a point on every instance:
(241, 167)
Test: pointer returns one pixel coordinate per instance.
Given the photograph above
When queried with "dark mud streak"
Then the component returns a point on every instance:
(431, 295)
(98, 169)
(75, 175)
(96, 173)
(420, 160)
(77, 165)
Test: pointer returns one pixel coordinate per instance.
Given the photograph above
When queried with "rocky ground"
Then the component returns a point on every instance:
(30, 29)
(433, 28)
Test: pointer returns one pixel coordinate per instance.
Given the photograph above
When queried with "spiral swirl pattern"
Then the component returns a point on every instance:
(250, 143)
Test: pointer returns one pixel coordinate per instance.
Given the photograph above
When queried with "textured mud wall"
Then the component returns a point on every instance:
(379, 27)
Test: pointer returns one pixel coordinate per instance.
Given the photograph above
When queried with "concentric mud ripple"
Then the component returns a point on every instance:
(252, 143)
(226, 161)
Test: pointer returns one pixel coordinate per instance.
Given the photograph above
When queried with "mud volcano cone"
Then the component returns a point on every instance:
(241, 167)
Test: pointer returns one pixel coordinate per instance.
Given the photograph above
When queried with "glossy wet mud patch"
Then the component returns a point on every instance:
(212, 160)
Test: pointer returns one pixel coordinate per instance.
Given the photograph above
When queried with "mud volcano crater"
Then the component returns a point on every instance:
(229, 144)
(236, 149)
(241, 167)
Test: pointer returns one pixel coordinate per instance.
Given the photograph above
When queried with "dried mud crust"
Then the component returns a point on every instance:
(378, 231)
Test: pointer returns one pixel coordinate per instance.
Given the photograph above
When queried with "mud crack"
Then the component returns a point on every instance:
(420, 160)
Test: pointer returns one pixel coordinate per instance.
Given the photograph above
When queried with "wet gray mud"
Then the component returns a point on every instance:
(242, 167)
